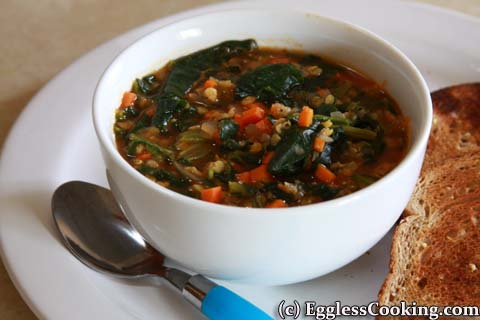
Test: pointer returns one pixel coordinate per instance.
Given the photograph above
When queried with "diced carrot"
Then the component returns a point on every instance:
(255, 105)
(144, 156)
(260, 174)
(214, 194)
(210, 83)
(318, 144)
(237, 118)
(277, 203)
(324, 174)
(267, 157)
(305, 118)
(279, 60)
(128, 99)
(150, 112)
(251, 115)
(264, 126)
(244, 177)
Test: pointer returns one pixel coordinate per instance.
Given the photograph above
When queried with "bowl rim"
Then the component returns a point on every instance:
(416, 148)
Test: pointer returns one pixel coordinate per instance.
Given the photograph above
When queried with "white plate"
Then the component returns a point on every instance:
(53, 141)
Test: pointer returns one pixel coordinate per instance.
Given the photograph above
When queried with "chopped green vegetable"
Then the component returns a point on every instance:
(244, 157)
(185, 71)
(358, 133)
(269, 83)
(144, 86)
(119, 131)
(127, 113)
(164, 175)
(194, 135)
(153, 148)
(292, 151)
(241, 189)
(325, 157)
(167, 106)
(363, 180)
(196, 151)
(335, 120)
(228, 129)
(194, 145)
(186, 118)
(231, 144)
(323, 190)
(325, 109)
(143, 122)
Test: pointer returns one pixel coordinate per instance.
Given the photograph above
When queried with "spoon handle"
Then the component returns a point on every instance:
(214, 301)
(222, 304)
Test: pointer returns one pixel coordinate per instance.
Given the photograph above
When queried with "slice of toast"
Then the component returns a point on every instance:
(445, 184)
(435, 252)
(456, 122)
(435, 256)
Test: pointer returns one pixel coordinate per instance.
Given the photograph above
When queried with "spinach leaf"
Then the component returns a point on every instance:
(325, 156)
(231, 144)
(188, 69)
(126, 113)
(167, 106)
(144, 86)
(187, 118)
(174, 180)
(228, 129)
(164, 175)
(226, 175)
(292, 151)
(269, 83)
(323, 190)
(143, 122)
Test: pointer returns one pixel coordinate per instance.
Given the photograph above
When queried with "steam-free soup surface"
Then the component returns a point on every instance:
(259, 127)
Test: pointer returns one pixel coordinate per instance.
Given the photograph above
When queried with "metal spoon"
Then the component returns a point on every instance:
(96, 231)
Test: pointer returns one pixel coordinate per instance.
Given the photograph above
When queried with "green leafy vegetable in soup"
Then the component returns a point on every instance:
(259, 127)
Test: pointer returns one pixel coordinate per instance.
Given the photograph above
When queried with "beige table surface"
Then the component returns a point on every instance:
(40, 38)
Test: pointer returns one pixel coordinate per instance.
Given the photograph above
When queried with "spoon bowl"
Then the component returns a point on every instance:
(96, 231)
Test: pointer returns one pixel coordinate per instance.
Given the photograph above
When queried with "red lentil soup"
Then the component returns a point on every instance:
(260, 127)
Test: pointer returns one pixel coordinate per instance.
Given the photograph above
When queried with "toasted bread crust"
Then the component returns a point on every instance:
(435, 255)
(456, 123)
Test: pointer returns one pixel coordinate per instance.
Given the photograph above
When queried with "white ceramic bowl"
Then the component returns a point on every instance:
(272, 246)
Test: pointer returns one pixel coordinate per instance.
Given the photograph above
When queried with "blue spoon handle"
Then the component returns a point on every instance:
(222, 304)
(214, 301)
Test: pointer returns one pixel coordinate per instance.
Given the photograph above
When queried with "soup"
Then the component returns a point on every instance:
(260, 127)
